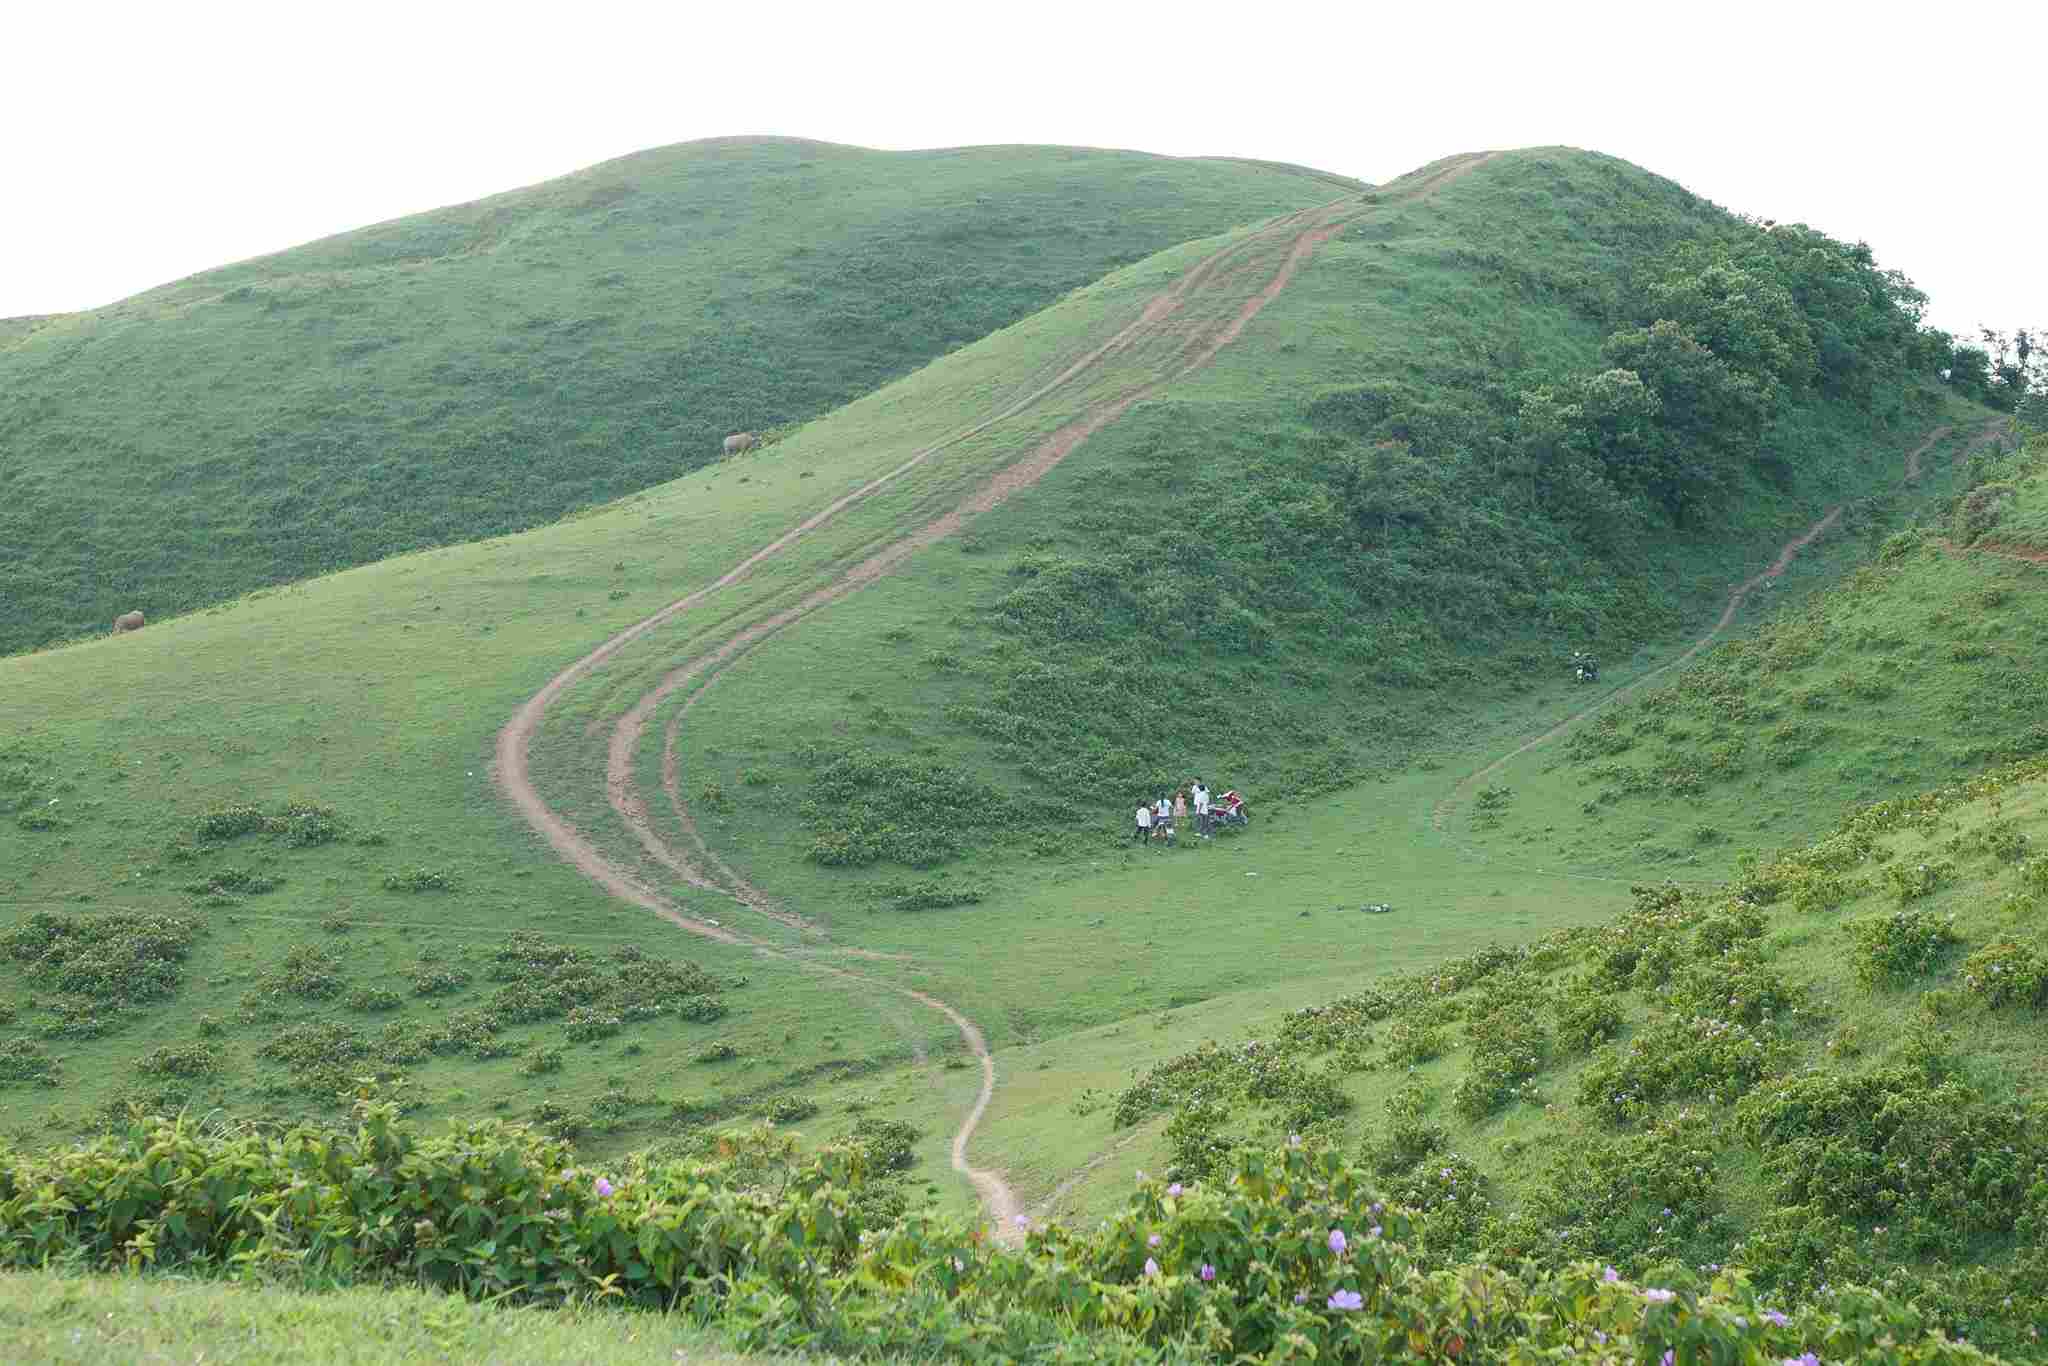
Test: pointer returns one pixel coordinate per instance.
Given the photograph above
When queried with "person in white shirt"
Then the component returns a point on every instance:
(1144, 822)
(1201, 809)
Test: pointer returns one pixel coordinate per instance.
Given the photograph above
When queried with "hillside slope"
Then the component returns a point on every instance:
(1295, 568)
(490, 366)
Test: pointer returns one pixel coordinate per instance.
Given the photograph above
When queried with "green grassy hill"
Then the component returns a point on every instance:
(490, 366)
(1353, 484)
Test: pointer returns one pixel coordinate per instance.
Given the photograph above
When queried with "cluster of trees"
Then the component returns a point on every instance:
(1718, 338)
(2007, 371)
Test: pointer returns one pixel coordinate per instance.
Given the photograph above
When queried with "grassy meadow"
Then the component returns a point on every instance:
(51, 1319)
(488, 367)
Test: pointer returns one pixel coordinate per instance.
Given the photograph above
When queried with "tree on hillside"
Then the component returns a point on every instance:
(1748, 319)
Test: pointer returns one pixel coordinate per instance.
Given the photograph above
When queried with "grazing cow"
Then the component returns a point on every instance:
(741, 441)
(127, 621)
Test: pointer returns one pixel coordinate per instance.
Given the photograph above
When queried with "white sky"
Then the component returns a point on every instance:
(144, 142)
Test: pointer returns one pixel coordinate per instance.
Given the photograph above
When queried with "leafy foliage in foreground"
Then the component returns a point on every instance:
(1683, 1086)
(1295, 1255)
(490, 366)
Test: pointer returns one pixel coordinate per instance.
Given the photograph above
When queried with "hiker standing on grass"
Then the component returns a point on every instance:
(1201, 809)
(1180, 808)
(1144, 822)
(1162, 812)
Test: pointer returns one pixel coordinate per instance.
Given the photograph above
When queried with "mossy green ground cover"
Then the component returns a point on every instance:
(51, 1319)
(490, 366)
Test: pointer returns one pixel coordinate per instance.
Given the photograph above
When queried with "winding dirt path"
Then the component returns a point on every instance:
(1736, 596)
(1188, 339)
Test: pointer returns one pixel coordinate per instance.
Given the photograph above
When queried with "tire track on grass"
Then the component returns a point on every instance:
(512, 766)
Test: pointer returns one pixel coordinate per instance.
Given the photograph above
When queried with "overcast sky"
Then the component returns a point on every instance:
(146, 142)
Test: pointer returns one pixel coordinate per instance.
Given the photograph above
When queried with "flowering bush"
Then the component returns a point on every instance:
(1678, 1055)
(1900, 946)
(1291, 1257)
(2007, 973)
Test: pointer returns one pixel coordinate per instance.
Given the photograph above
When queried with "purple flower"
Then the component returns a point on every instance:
(1656, 1296)
(1151, 1267)
(1174, 1190)
(1347, 1299)
(1373, 1232)
(1772, 1316)
(1153, 1241)
(1803, 1359)
(1301, 1299)
(1337, 1241)
(1610, 1275)
(1208, 1272)
(1376, 1207)
(1294, 1140)
(1023, 1221)
(604, 1187)
(1668, 1358)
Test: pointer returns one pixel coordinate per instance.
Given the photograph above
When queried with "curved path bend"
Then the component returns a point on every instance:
(1736, 596)
(1172, 339)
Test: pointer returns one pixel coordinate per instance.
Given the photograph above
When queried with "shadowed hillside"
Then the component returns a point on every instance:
(490, 366)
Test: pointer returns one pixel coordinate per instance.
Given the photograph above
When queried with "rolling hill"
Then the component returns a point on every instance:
(795, 789)
(490, 366)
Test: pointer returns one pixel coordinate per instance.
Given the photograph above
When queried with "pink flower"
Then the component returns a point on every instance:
(604, 1187)
(1153, 1241)
(1610, 1275)
(1337, 1241)
(1174, 1190)
(1347, 1299)
(1151, 1267)
(1656, 1296)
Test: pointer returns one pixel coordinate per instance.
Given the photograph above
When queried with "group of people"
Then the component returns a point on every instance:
(1160, 819)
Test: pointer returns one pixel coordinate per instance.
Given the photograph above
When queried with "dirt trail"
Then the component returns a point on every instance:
(1736, 596)
(1198, 340)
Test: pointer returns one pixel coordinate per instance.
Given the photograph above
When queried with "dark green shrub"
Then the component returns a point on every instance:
(23, 1060)
(792, 1109)
(2006, 973)
(420, 880)
(889, 1143)
(433, 979)
(180, 1060)
(121, 957)
(1899, 947)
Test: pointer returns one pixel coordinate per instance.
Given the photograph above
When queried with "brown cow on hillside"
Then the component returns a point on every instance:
(741, 441)
(127, 621)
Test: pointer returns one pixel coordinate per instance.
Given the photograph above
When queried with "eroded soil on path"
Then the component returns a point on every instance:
(1175, 339)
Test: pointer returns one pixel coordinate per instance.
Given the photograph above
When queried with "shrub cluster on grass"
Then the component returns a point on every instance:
(865, 807)
(541, 980)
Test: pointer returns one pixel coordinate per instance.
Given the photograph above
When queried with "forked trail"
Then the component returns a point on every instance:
(1178, 332)
(1736, 597)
